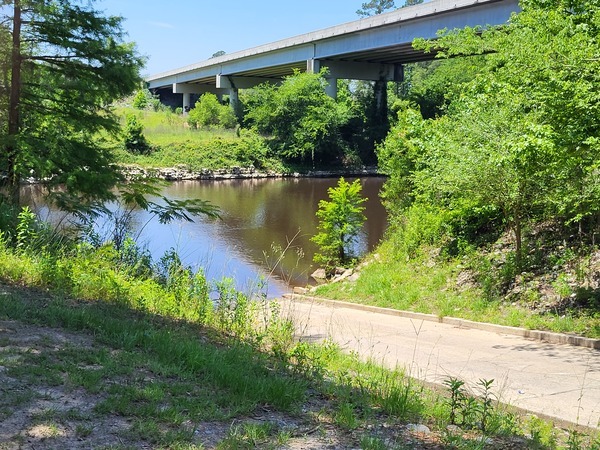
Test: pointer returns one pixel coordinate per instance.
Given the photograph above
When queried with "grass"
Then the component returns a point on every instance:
(428, 285)
(174, 143)
(156, 360)
(155, 371)
(162, 375)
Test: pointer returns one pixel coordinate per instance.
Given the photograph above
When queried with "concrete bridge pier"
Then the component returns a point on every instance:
(187, 90)
(381, 120)
(232, 85)
(331, 88)
(234, 103)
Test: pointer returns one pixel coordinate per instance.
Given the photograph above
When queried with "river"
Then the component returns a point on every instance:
(261, 220)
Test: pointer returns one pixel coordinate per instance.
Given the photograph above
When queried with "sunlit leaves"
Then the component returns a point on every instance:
(71, 63)
(522, 136)
(340, 221)
(302, 121)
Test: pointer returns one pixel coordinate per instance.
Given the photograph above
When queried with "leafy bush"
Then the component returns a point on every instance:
(134, 138)
(208, 112)
(340, 221)
(144, 99)
(302, 120)
(140, 100)
(420, 225)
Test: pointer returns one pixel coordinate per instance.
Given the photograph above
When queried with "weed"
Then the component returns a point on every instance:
(346, 417)
(541, 433)
(307, 359)
(466, 410)
(398, 395)
(83, 431)
(457, 397)
(247, 436)
(372, 443)
(486, 407)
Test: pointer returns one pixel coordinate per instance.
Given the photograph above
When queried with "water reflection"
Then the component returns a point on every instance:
(259, 219)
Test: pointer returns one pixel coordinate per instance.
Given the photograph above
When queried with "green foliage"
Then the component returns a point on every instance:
(141, 324)
(69, 64)
(143, 99)
(134, 138)
(208, 112)
(433, 84)
(466, 410)
(8, 217)
(26, 228)
(375, 7)
(301, 120)
(399, 157)
(140, 100)
(469, 285)
(340, 221)
(513, 147)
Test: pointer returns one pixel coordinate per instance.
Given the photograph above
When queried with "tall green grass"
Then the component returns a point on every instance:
(427, 283)
(174, 143)
(210, 358)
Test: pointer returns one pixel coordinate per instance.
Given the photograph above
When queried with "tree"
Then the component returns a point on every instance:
(209, 112)
(433, 84)
(301, 119)
(134, 138)
(67, 64)
(340, 221)
(375, 7)
(520, 140)
(218, 53)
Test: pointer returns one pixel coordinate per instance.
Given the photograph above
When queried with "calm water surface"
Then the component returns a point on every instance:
(264, 231)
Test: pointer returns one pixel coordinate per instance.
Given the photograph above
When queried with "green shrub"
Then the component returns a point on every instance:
(419, 225)
(340, 221)
(134, 139)
(208, 112)
(140, 99)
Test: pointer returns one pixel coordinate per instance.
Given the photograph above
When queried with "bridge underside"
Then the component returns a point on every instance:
(368, 49)
(384, 64)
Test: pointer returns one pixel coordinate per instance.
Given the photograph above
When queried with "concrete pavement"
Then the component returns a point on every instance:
(557, 380)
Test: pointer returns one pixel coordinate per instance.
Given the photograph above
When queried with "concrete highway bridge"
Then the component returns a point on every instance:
(373, 48)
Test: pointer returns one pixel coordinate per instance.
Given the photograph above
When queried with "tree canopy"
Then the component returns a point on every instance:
(375, 7)
(67, 64)
(301, 119)
(520, 140)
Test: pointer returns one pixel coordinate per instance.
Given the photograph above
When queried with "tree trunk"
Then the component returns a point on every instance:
(518, 240)
(14, 125)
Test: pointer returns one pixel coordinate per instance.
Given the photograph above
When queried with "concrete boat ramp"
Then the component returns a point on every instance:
(533, 371)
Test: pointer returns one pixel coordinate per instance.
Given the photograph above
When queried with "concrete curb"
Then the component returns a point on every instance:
(545, 336)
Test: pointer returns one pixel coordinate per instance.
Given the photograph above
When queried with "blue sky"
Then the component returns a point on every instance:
(175, 33)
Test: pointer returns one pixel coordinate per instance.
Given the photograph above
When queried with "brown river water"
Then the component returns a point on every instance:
(262, 240)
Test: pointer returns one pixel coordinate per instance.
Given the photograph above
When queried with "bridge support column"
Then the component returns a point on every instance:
(187, 101)
(381, 110)
(331, 88)
(234, 103)
(314, 66)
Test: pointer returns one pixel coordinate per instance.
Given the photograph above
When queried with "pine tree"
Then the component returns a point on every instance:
(66, 65)
(375, 7)
(340, 221)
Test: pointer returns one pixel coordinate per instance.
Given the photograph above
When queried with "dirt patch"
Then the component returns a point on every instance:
(43, 415)
(39, 413)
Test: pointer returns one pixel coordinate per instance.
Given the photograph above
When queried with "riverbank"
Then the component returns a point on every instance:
(100, 345)
(86, 374)
(182, 173)
(561, 295)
